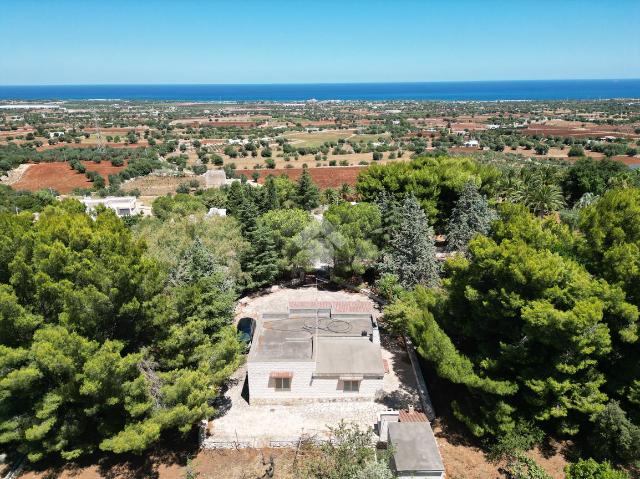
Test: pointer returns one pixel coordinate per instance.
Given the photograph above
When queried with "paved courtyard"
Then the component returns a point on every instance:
(259, 425)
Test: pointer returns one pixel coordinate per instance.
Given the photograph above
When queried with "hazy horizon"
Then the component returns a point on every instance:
(316, 83)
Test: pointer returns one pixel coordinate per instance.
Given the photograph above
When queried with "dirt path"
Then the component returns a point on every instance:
(15, 175)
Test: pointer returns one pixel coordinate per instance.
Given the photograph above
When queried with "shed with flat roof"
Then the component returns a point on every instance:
(415, 451)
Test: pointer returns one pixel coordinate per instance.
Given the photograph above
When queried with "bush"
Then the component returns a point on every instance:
(199, 169)
(117, 161)
(614, 436)
(266, 153)
(183, 188)
(522, 438)
(575, 151)
(590, 469)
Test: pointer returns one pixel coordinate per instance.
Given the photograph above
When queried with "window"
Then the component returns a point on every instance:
(283, 384)
(351, 386)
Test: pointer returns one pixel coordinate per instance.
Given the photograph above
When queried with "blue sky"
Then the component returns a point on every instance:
(287, 41)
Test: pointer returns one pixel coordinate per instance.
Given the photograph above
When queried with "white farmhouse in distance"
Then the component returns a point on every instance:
(216, 212)
(122, 205)
(472, 143)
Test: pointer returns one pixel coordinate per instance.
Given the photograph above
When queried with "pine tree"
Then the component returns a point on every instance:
(411, 255)
(270, 200)
(389, 212)
(307, 194)
(195, 263)
(247, 213)
(470, 216)
(261, 262)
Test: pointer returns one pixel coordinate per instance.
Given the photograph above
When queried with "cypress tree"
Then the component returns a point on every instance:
(261, 261)
(411, 255)
(307, 194)
(270, 200)
(471, 215)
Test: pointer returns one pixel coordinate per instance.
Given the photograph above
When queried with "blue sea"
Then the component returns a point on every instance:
(461, 91)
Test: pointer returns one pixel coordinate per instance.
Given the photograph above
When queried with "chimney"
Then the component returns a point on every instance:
(411, 410)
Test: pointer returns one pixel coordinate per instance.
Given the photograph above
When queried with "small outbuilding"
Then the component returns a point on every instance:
(414, 450)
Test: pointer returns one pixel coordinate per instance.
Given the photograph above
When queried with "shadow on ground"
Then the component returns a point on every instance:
(125, 466)
(406, 395)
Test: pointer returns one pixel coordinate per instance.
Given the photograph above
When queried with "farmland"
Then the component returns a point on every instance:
(60, 177)
(326, 177)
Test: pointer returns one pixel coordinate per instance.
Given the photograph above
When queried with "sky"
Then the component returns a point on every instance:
(330, 41)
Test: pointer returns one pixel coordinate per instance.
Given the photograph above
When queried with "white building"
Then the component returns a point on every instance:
(315, 351)
(414, 448)
(415, 451)
(472, 143)
(216, 212)
(122, 205)
(241, 141)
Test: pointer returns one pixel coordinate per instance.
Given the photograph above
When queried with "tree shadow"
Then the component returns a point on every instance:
(174, 450)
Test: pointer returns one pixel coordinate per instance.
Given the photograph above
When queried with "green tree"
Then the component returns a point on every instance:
(168, 240)
(87, 327)
(471, 216)
(435, 182)
(181, 204)
(576, 151)
(587, 175)
(307, 194)
(614, 436)
(411, 253)
(288, 228)
(261, 261)
(350, 237)
(270, 200)
(513, 298)
(590, 469)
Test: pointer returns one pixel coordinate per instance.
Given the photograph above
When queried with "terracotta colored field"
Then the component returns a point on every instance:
(92, 144)
(328, 177)
(61, 177)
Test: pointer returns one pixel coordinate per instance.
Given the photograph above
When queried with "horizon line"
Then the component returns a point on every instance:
(313, 83)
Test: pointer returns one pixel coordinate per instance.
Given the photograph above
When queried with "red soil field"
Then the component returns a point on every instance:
(46, 146)
(61, 177)
(327, 177)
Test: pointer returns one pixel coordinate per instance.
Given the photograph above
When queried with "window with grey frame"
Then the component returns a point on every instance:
(351, 386)
(283, 384)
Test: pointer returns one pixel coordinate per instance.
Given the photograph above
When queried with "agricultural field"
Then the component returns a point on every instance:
(275, 137)
(318, 138)
(60, 177)
(326, 177)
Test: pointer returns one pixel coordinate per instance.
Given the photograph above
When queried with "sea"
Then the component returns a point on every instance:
(281, 92)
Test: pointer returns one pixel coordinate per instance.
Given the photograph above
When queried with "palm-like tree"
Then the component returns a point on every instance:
(542, 198)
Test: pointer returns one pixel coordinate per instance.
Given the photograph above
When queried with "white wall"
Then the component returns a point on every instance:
(303, 386)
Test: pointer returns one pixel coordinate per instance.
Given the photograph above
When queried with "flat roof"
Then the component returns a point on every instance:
(414, 447)
(284, 339)
(335, 306)
(348, 357)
